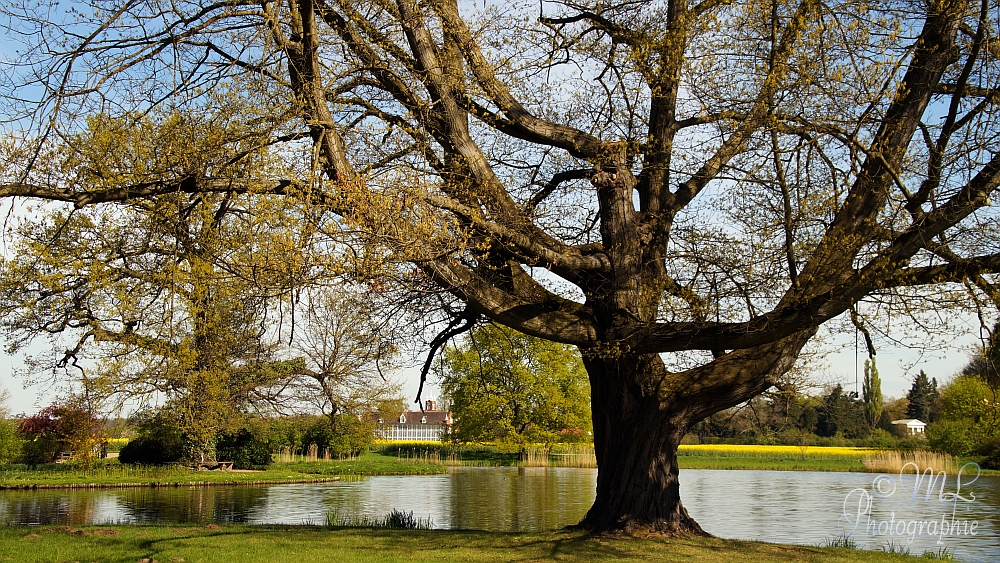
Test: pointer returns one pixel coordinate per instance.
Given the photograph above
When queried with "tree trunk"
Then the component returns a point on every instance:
(635, 439)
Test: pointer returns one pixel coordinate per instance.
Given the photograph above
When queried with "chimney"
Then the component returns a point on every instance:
(430, 405)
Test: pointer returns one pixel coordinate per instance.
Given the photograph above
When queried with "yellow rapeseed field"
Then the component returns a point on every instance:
(755, 451)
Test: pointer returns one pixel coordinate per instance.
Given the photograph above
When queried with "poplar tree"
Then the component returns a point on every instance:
(872, 393)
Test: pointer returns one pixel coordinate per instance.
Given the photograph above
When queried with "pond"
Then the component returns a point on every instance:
(776, 506)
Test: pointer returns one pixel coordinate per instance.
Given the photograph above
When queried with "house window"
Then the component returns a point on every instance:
(423, 420)
(402, 419)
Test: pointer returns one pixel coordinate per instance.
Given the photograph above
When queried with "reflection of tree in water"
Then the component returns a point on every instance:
(64, 506)
(202, 505)
(521, 499)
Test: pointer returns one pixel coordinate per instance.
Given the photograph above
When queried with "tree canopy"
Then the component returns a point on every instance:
(505, 386)
(192, 296)
(683, 190)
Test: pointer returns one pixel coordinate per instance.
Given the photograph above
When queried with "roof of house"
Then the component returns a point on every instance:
(429, 417)
(910, 422)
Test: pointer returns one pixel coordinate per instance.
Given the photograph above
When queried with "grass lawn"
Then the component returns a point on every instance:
(115, 474)
(260, 544)
(786, 458)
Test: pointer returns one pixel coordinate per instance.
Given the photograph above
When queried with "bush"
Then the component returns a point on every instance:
(952, 436)
(153, 449)
(881, 440)
(40, 450)
(992, 461)
(10, 442)
(244, 449)
(351, 436)
(59, 428)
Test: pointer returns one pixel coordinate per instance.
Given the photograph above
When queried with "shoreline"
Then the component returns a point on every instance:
(164, 484)
(115, 476)
(314, 544)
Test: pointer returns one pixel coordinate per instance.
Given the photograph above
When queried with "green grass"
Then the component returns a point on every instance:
(262, 544)
(115, 474)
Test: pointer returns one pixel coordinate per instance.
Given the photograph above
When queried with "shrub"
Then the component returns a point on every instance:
(59, 428)
(153, 449)
(992, 453)
(350, 437)
(10, 442)
(244, 449)
(40, 450)
(951, 436)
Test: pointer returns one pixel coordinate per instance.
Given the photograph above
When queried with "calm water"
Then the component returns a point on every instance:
(777, 506)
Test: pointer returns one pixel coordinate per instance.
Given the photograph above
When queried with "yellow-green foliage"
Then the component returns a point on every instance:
(506, 386)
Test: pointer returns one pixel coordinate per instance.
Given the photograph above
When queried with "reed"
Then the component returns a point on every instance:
(394, 520)
(563, 455)
(568, 455)
(893, 461)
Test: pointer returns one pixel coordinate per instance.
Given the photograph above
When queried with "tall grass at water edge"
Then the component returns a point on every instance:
(708, 456)
(893, 462)
(559, 455)
(394, 520)
(98, 472)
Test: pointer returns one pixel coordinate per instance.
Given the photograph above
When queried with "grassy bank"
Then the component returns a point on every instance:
(256, 544)
(813, 458)
(708, 456)
(114, 474)
(781, 458)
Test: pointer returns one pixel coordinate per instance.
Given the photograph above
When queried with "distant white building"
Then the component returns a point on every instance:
(912, 426)
(428, 424)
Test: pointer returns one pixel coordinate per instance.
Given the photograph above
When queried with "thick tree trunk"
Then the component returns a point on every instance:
(635, 439)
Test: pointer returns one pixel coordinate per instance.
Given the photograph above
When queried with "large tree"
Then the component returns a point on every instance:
(178, 295)
(683, 190)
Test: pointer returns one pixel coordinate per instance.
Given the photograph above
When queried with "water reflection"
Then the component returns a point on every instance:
(777, 506)
(229, 505)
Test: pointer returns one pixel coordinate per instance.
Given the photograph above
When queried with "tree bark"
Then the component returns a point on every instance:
(635, 440)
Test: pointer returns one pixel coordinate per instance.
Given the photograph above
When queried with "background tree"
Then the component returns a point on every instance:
(510, 387)
(707, 180)
(60, 428)
(970, 418)
(10, 442)
(921, 397)
(969, 423)
(986, 363)
(872, 394)
(347, 352)
(178, 294)
(842, 415)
